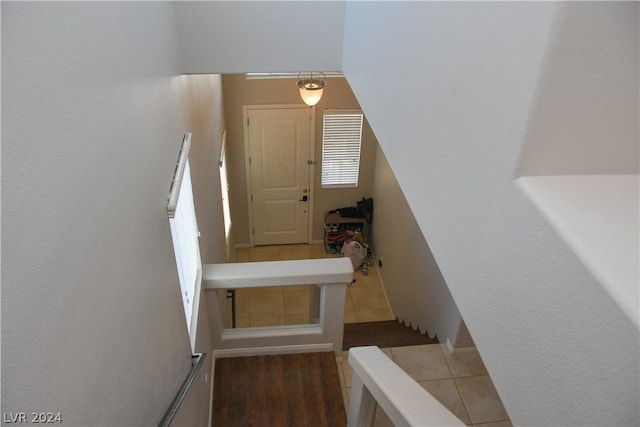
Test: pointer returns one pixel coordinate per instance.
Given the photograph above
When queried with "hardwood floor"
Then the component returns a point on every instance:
(278, 390)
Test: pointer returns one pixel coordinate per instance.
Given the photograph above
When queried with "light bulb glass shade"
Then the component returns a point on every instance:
(311, 90)
(311, 96)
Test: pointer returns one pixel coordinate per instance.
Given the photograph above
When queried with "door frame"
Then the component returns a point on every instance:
(312, 155)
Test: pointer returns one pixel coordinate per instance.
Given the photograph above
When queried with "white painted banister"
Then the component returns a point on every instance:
(332, 275)
(377, 379)
(277, 273)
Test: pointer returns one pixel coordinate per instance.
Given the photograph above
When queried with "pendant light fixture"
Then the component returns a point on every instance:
(311, 88)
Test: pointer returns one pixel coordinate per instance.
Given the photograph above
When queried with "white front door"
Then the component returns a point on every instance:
(280, 161)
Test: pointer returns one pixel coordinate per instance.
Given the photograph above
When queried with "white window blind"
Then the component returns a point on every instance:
(341, 140)
(184, 234)
(224, 190)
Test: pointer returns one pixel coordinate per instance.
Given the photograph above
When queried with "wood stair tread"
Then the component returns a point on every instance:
(390, 333)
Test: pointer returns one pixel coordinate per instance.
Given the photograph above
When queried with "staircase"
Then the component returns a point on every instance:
(390, 333)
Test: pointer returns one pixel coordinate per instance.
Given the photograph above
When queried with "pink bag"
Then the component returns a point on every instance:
(355, 251)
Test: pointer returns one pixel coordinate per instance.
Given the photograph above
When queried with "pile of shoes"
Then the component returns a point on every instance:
(339, 231)
(368, 262)
(334, 238)
(335, 235)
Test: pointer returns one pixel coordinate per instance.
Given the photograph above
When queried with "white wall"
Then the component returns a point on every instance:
(587, 103)
(237, 37)
(93, 115)
(206, 123)
(466, 77)
(413, 282)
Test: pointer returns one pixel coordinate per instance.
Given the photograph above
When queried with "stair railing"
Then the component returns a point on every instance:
(378, 380)
(183, 393)
(331, 275)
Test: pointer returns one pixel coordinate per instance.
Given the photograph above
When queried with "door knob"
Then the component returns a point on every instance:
(304, 199)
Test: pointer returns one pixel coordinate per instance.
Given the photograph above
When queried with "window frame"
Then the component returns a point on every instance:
(334, 145)
(181, 202)
(224, 193)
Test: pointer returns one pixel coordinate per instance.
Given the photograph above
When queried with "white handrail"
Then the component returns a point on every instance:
(376, 378)
(332, 276)
(277, 273)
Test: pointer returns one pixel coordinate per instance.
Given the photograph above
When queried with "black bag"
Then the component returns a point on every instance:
(365, 209)
(348, 212)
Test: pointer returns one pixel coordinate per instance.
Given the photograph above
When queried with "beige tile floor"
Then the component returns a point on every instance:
(289, 305)
(459, 381)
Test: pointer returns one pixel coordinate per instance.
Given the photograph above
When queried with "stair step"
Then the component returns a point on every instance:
(389, 333)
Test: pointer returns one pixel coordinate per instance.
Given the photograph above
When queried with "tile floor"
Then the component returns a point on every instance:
(459, 381)
(290, 305)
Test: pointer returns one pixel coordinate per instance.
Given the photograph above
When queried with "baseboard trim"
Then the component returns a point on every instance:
(384, 288)
(263, 351)
(453, 350)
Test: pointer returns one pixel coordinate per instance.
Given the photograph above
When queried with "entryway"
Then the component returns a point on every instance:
(279, 150)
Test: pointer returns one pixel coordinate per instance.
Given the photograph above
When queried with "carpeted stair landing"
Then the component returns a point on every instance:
(390, 333)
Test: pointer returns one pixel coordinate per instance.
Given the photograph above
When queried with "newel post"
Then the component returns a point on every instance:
(362, 405)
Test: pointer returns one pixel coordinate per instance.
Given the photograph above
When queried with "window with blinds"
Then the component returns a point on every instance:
(341, 140)
(224, 191)
(185, 234)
